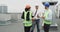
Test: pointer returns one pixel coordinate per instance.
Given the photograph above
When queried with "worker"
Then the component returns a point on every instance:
(47, 17)
(27, 16)
(36, 19)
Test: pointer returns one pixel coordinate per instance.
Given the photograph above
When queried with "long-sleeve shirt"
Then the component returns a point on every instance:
(49, 16)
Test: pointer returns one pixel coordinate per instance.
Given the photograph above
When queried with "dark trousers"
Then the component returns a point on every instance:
(36, 22)
(46, 27)
(27, 29)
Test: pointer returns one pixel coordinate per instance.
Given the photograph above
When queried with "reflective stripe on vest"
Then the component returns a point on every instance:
(27, 23)
(46, 16)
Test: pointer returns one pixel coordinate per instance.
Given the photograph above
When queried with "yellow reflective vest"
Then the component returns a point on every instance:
(48, 17)
(25, 22)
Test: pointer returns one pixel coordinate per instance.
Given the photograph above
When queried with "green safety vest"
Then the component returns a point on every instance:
(46, 16)
(27, 23)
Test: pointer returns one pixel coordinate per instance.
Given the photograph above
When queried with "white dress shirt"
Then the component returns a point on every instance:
(37, 14)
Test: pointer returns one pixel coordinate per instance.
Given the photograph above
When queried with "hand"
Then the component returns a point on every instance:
(43, 17)
(32, 19)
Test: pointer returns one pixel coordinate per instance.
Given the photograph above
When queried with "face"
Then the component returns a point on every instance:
(36, 7)
(46, 7)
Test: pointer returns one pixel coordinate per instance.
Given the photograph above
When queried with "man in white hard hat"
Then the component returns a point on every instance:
(36, 19)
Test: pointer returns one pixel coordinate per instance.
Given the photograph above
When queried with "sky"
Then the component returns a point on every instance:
(17, 6)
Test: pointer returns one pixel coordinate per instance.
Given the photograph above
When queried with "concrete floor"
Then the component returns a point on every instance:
(17, 26)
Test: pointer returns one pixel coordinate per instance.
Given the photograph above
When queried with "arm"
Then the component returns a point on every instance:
(32, 16)
(22, 15)
(42, 15)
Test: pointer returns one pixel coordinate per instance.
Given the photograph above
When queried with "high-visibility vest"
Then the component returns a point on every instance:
(46, 16)
(27, 23)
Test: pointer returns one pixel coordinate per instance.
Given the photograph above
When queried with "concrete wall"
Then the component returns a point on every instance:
(14, 16)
